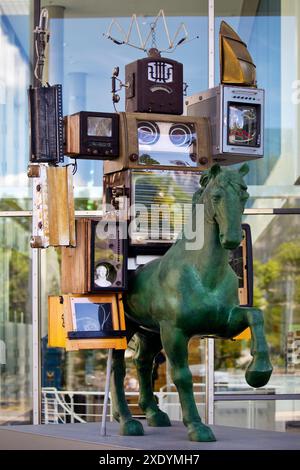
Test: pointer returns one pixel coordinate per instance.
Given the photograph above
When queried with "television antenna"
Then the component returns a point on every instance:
(149, 42)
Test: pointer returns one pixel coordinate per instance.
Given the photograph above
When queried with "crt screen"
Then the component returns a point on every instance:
(243, 125)
(99, 126)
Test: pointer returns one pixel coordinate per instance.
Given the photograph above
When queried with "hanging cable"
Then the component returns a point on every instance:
(41, 35)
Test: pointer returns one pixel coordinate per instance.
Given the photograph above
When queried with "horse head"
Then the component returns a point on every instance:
(224, 195)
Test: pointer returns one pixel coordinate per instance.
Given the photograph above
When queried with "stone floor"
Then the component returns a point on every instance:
(87, 436)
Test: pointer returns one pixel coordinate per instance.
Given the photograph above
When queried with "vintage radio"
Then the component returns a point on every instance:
(154, 85)
(237, 121)
(53, 215)
(159, 201)
(92, 136)
(162, 142)
(99, 260)
(46, 124)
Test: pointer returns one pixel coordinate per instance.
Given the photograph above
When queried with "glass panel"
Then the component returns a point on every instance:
(268, 415)
(163, 203)
(269, 28)
(14, 80)
(243, 125)
(276, 255)
(82, 59)
(15, 322)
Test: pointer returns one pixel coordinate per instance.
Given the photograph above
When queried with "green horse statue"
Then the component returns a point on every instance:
(187, 293)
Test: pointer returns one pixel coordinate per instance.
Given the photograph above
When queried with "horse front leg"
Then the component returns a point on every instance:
(260, 369)
(175, 344)
(121, 412)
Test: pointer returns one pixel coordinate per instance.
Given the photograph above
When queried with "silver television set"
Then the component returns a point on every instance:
(237, 121)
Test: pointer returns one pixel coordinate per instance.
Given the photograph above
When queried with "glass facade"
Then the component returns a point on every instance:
(81, 58)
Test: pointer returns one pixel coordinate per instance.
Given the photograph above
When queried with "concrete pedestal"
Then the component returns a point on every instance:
(87, 436)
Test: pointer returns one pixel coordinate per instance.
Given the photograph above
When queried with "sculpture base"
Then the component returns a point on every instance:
(87, 436)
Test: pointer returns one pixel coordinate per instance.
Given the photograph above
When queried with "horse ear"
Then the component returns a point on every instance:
(204, 179)
(215, 170)
(244, 170)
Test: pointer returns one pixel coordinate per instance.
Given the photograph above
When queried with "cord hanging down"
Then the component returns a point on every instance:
(41, 35)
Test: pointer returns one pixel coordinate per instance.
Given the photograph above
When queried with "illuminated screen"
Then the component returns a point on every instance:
(167, 143)
(88, 316)
(243, 125)
(99, 126)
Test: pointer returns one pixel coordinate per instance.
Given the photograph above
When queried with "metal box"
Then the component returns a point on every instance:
(237, 121)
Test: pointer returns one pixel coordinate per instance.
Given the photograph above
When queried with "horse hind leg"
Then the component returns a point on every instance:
(260, 369)
(147, 347)
(121, 412)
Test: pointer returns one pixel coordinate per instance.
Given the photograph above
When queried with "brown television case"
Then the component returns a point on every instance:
(129, 143)
(77, 264)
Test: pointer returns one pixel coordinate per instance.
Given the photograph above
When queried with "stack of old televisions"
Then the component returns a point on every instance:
(153, 157)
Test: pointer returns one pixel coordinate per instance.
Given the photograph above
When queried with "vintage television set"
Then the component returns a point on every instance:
(167, 189)
(92, 135)
(237, 121)
(94, 321)
(98, 263)
(156, 141)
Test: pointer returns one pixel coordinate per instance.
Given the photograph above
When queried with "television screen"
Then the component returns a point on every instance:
(243, 124)
(89, 316)
(99, 126)
(167, 143)
(168, 190)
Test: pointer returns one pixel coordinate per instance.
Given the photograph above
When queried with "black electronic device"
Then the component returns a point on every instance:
(92, 135)
(46, 124)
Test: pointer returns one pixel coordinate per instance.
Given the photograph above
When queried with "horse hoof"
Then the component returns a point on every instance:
(259, 371)
(158, 419)
(201, 433)
(256, 378)
(131, 427)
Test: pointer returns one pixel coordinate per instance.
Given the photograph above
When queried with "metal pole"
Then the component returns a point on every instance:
(209, 347)
(106, 393)
(36, 344)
